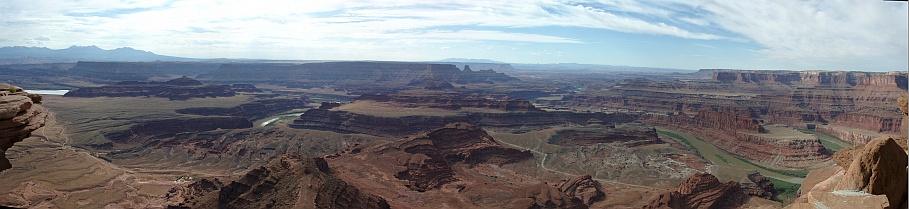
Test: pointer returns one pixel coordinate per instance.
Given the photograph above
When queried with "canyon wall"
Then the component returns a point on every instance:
(745, 137)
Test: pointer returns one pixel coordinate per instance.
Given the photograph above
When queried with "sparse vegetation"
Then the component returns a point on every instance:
(785, 191)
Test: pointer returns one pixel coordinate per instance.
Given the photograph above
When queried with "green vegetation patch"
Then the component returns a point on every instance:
(681, 138)
(796, 173)
(785, 191)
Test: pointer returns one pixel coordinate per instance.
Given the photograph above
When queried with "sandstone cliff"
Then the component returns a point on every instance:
(20, 114)
(285, 182)
(815, 78)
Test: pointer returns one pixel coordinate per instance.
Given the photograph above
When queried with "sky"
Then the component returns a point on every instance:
(688, 34)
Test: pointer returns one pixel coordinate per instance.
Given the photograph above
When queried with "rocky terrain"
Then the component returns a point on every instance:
(176, 89)
(171, 127)
(461, 166)
(628, 135)
(285, 182)
(20, 114)
(431, 135)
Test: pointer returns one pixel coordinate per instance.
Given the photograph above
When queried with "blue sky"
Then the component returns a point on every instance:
(689, 34)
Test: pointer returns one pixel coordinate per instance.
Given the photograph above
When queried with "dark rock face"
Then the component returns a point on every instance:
(701, 191)
(759, 186)
(431, 84)
(176, 89)
(352, 72)
(347, 122)
(253, 110)
(171, 127)
(138, 71)
(630, 135)
(285, 182)
(20, 115)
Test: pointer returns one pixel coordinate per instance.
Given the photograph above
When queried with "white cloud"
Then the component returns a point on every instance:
(810, 30)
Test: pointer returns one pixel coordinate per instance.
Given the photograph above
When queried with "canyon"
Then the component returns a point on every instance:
(374, 134)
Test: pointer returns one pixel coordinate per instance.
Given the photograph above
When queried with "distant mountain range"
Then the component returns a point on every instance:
(31, 55)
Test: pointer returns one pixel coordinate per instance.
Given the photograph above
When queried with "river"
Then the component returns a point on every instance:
(47, 92)
(271, 120)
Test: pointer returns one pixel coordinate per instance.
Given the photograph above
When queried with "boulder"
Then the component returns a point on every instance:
(879, 169)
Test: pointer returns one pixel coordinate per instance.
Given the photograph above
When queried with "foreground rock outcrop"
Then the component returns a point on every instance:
(285, 182)
(20, 114)
(874, 177)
